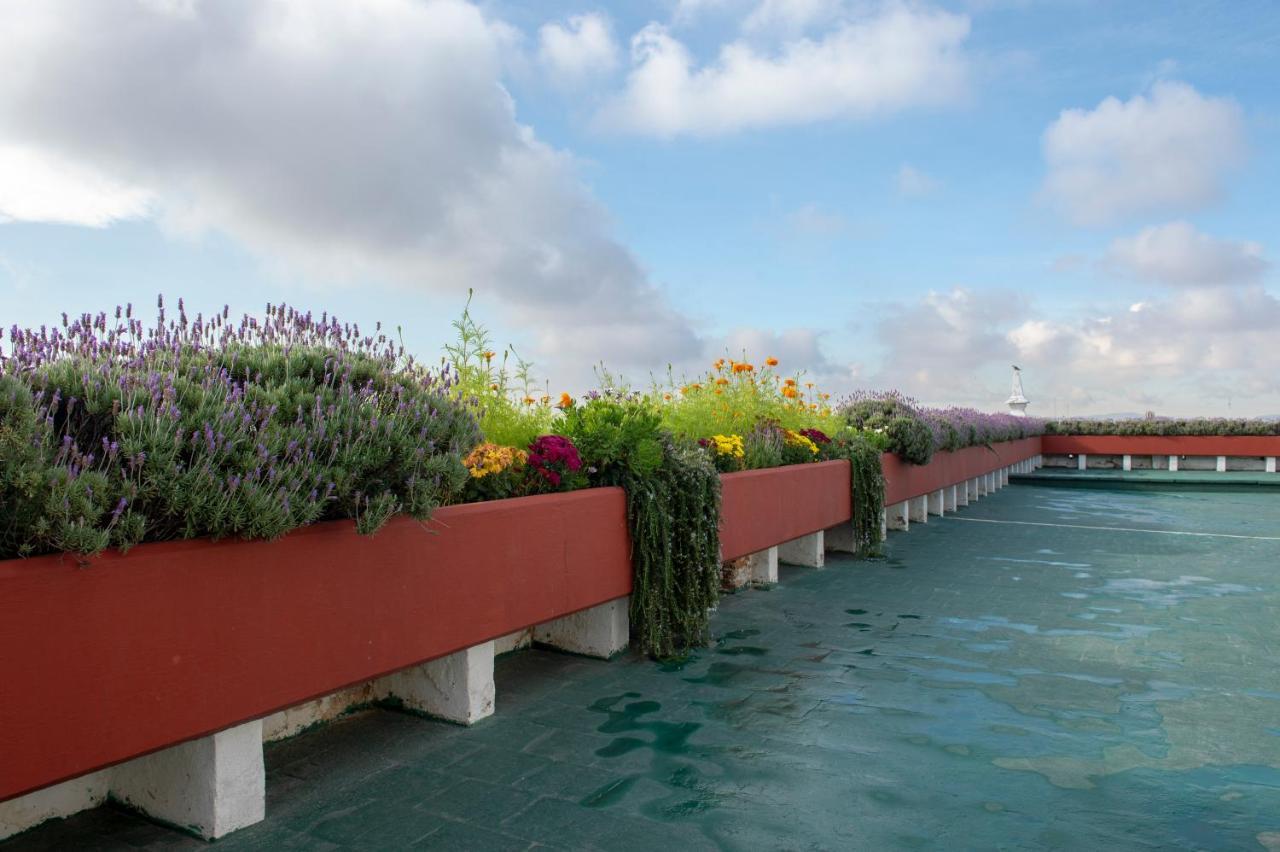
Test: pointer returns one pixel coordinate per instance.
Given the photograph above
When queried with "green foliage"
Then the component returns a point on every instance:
(673, 507)
(867, 482)
(904, 431)
(1161, 426)
(509, 406)
(618, 435)
(115, 435)
(763, 447)
(674, 515)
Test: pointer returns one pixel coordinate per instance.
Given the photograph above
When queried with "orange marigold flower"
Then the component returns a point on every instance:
(743, 368)
(720, 364)
(493, 387)
(566, 401)
(545, 400)
(790, 392)
(809, 385)
(791, 383)
(722, 381)
(666, 396)
(488, 355)
(528, 400)
(772, 362)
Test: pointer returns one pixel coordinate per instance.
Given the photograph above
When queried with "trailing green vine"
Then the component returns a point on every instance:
(673, 508)
(867, 483)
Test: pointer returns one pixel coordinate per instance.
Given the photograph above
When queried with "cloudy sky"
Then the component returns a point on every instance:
(886, 194)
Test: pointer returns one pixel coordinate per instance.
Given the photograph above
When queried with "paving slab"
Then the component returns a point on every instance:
(1045, 669)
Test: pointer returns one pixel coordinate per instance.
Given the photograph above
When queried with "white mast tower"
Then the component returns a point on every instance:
(1017, 401)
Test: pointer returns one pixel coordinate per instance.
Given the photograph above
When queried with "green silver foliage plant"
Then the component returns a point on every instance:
(112, 432)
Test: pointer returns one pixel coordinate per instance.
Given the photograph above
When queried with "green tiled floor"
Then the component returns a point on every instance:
(987, 685)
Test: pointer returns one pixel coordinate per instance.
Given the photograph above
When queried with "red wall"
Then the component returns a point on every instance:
(1163, 445)
(179, 639)
(761, 508)
(903, 481)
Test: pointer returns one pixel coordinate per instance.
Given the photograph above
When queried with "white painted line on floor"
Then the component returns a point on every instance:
(1119, 529)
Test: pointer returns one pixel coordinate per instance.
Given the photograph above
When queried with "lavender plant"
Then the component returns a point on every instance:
(112, 432)
(1165, 426)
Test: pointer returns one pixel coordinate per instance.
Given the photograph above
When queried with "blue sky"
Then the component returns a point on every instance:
(909, 195)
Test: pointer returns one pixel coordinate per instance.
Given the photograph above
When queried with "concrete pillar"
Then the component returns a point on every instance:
(839, 539)
(1271, 464)
(211, 786)
(962, 494)
(1082, 462)
(601, 631)
(937, 503)
(807, 550)
(992, 484)
(1004, 476)
(971, 490)
(762, 567)
(918, 509)
(1127, 462)
(1173, 463)
(898, 516)
(952, 495)
(457, 688)
(1222, 464)
(979, 486)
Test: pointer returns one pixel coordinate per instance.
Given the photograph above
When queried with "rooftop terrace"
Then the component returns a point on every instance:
(1070, 668)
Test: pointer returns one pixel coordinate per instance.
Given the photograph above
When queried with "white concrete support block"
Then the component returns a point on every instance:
(807, 550)
(840, 538)
(898, 516)
(1222, 464)
(1082, 462)
(762, 567)
(1004, 476)
(1127, 462)
(601, 631)
(962, 494)
(979, 484)
(952, 497)
(938, 502)
(990, 480)
(513, 642)
(211, 786)
(971, 488)
(457, 688)
(918, 509)
(1271, 464)
(60, 800)
(1173, 462)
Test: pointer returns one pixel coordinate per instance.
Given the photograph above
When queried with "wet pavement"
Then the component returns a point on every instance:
(1047, 669)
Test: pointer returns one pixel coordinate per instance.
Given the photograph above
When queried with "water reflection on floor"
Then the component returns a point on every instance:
(987, 685)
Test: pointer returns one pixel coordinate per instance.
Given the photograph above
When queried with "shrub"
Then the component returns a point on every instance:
(896, 418)
(113, 433)
(1163, 426)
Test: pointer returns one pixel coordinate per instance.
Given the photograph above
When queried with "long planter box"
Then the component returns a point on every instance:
(1163, 445)
(762, 508)
(904, 481)
(122, 655)
(105, 661)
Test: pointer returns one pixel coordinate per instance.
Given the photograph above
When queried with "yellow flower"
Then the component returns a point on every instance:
(489, 458)
(795, 439)
(528, 400)
(488, 356)
(545, 400)
(728, 445)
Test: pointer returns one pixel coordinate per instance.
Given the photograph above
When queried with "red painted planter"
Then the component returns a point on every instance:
(176, 640)
(761, 508)
(904, 481)
(1163, 445)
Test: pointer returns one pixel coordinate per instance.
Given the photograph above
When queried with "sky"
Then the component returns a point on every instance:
(909, 195)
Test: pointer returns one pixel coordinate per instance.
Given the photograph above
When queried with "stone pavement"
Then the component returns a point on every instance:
(1008, 677)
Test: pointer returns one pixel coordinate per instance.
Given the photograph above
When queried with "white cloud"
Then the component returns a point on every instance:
(913, 183)
(581, 48)
(348, 139)
(788, 18)
(813, 220)
(898, 57)
(1178, 254)
(1168, 150)
(36, 186)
